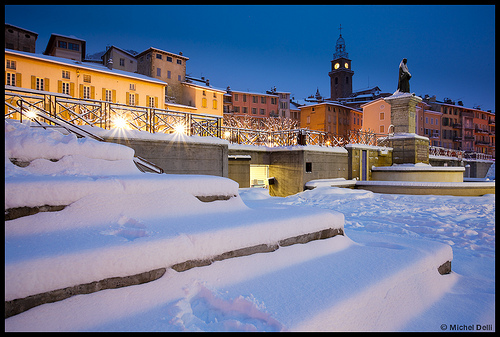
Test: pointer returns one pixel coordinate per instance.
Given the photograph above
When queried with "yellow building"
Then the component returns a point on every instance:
(81, 80)
(207, 100)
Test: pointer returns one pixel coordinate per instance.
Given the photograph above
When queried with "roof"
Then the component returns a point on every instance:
(53, 36)
(161, 51)
(204, 87)
(119, 49)
(86, 65)
(330, 103)
(23, 29)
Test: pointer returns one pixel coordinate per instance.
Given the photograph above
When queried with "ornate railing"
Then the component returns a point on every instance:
(107, 115)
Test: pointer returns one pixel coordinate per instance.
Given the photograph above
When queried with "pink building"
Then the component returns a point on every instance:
(252, 104)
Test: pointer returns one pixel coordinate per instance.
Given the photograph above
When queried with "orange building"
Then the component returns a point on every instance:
(252, 104)
(330, 117)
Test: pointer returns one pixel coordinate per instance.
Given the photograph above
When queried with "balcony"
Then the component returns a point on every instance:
(468, 137)
(482, 142)
(478, 130)
(491, 121)
(457, 125)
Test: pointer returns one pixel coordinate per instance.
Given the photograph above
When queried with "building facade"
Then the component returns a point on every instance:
(330, 117)
(68, 47)
(252, 104)
(76, 79)
(116, 58)
(207, 100)
(165, 66)
(21, 39)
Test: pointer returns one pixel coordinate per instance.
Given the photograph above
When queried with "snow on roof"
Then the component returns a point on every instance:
(20, 28)
(88, 65)
(162, 51)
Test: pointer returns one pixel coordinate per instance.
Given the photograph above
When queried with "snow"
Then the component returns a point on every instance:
(380, 276)
(417, 167)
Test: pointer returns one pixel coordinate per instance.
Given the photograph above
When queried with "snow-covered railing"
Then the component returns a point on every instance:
(444, 152)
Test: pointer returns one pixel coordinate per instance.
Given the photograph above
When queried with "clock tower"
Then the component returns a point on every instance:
(341, 74)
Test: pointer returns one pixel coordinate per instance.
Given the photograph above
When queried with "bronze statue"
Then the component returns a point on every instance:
(404, 77)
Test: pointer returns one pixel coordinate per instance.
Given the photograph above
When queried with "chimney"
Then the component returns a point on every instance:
(110, 64)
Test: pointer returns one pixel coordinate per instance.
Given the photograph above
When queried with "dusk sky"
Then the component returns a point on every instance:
(450, 49)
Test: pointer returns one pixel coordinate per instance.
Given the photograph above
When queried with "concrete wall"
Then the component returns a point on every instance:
(290, 168)
(181, 158)
(376, 156)
(239, 170)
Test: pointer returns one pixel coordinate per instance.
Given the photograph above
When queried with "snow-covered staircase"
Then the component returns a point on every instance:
(149, 238)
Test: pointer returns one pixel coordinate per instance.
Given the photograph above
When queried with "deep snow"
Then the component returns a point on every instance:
(333, 284)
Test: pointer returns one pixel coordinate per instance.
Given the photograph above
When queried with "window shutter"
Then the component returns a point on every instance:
(80, 90)
(92, 92)
(147, 101)
(103, 98)
(113, 96)
(72, 89)
(127, 98)
(156, 102)
(46, 84)
(59, 86)
(33, 82)
(136, 99)
(19, 82)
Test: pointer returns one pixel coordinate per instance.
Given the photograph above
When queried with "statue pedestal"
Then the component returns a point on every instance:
(408, 147)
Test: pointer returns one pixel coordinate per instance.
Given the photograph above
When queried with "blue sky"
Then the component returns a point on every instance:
(450, 49)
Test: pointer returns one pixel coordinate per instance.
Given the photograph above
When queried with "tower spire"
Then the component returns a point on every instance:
(340, 29)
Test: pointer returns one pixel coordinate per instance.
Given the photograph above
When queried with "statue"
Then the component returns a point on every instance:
(404, 77)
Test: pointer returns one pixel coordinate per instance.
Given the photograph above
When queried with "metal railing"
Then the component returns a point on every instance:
(70, 113)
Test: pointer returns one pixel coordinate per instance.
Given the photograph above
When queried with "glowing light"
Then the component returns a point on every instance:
(180, 128)
(120, 123)
(31, 113)
(227, 134)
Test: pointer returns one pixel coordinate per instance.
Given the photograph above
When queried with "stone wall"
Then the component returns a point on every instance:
(179, 157)
(376, 156)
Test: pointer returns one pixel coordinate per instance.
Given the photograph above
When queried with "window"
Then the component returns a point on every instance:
(347, 80)
(158, 56)
(262, 111)
(158, 72)
(151, 102)
(382, 116)
(73, 46)
(214, 104)
(122, 62)
(236, 97)
(254, 111)
(11, 64)
(169, 74)
(62, 44)
(203, 102)
(254, 99)
(169, 58)
(86, 92)
(179, 61)
(11, 79)
(65, 88)
(336, 80)
(381, 129)
(245, 110)
(179, 78)
(204, 93)
(108, 96)
(432, 120)
(39, 83)
(132, 86)
(65, 74)
(309, 167)
(131, 99)
(86, 78)
(263, 100)
(237, 109)
(426, 120)
(244, 97)
(308, 119)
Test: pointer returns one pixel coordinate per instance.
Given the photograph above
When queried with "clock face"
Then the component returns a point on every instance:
(337, 66)
(346, 65)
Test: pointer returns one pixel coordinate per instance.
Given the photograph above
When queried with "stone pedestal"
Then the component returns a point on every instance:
(403, 110)
(408, 147)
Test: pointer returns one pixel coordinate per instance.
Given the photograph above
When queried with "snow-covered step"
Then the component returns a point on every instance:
(116, 249)
(374, 283)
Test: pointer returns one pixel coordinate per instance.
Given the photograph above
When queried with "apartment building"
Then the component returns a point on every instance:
(330, 117)
(49, 74)
(165, 66)
(21, 39)
(252, 104)
(117, 58)
(207, 100)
